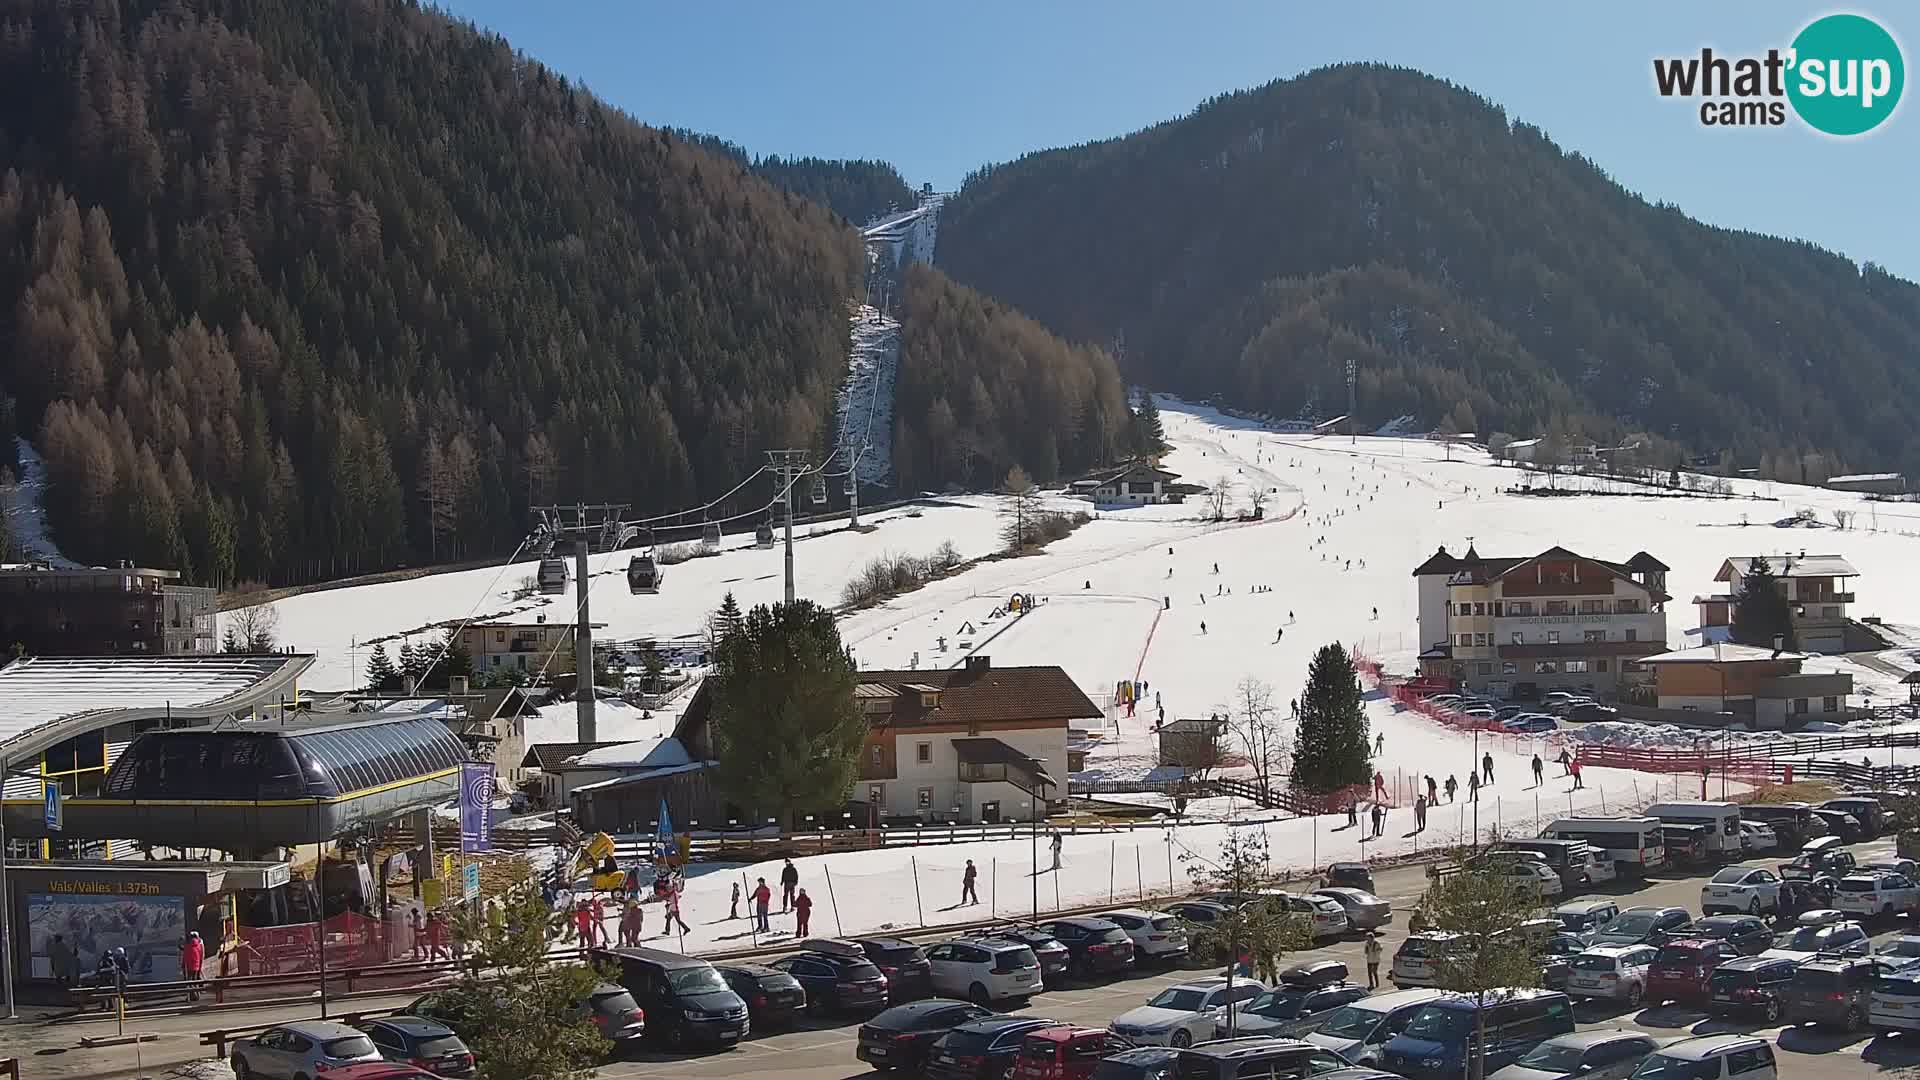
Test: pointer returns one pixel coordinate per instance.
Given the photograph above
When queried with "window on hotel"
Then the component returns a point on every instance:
(1487, 669)
(1559, 607)
(1481, 641)
(1520, 607)
(1553, 637)
(1632, 634)
(1600, 666)
(1627, 607)
(1545, 667)
(876, 755)
(1466, 640)
(1519, 638)
(1593, 607)
(924, 798)
(1799, 706)
(499, 636)
(1496, 609)
(1479, 609)
(1829, 704)
(1508, 667)
(1596, 635)
(1575, 667)
(923, 752)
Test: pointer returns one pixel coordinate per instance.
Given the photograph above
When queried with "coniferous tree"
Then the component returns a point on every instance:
(410, 660)
(726, 620)
(381, 674)
(785, 728)
(1761, 611)
(1150, 436)
(1330, 748)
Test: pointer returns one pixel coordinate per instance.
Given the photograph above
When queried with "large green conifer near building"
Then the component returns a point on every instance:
(1330, 747)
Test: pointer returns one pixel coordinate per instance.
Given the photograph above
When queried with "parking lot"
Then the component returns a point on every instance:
(826, 1052)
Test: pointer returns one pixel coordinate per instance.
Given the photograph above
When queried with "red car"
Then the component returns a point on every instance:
(1065, 1053)
(382, 1070)
(1684, 967)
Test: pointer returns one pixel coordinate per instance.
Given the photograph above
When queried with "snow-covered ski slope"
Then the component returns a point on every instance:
(23, 504)
(1385, 503)
(866, 397)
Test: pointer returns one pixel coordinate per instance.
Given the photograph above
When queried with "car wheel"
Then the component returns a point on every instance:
(1853, 1019)
(1181, 1039)
(979, 996)
(1753, 906)
(1773, 1011)
(240, 1070)
(1634, 994)
(677, 1036)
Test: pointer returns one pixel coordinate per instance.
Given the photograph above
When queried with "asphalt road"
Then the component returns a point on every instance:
(824, 1050)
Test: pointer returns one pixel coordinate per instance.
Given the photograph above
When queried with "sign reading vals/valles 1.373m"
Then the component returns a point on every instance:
(1842, 75)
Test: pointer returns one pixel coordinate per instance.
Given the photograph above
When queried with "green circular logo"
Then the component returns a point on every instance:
(1847, 74)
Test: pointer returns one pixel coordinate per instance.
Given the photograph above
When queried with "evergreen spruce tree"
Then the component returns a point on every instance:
(1330, 749)
(654, 665)
(726, 620)
(785, 728)
(1761, 610)
(409, 660)
(1149, 436)
(381, 674)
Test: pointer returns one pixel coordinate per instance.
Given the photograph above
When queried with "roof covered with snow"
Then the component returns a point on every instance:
(644, 754)
(1864, 478)
(1719, 653)
(46, 699)
(1790, 566)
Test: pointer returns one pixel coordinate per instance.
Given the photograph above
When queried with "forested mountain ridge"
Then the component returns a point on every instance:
(295, 290)
(1249, 249)
(857, 190)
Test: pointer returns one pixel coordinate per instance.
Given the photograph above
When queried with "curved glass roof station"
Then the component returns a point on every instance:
(296, 761)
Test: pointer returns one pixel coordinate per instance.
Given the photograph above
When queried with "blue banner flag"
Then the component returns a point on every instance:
(663, 835)
(476, 806)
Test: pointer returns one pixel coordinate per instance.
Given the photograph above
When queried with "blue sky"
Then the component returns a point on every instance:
(939, 89)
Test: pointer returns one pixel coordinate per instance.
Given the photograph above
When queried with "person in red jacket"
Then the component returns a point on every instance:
(802, 907)
(762, 896)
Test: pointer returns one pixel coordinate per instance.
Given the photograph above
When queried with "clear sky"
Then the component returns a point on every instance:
(939, 89)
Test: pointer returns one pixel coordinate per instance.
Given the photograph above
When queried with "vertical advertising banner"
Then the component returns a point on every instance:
(476, 807)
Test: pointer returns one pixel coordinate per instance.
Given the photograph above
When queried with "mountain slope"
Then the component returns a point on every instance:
(856, 190)
(295, 290)
(1252, 247)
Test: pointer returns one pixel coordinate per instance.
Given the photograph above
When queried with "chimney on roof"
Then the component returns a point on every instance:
(1779, 645)
(979, 663)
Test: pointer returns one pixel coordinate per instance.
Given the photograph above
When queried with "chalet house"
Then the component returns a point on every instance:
(974, 743)
(1764, 686)
(1556, 619)
(550, 763)
(1135, 484)
(528, 647)
(1817, 589)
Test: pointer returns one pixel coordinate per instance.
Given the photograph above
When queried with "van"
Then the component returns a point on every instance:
(1579, 866)
(685, 1000)
(1435, 1044)
(1722, 821)
(1357, 1031)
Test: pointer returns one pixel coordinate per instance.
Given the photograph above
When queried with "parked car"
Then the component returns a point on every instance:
(1614, 972)
(1556, 960)
(836, 981)
(1288, 1011)
(1436, 1042)
(1144, 1063)
(983, 1049)
(773, 997)
(1757, 836)
(1532, 879)
(1869, 815)
(305, 1048)
(1326, 917)
(901, 1037)
(1748, 935)
(1054, 957)
(422, 1043)
(685, 1001)
(1413, 960)
(1532, 723)
(1793, 824)
(1646, 926)
(1365, 911)
(985, 971)
(1607, 1054)
(1183, 1014)
(1156, 935)
(1095, 946)
(1711, 1057)
(1842, 825)
(1898, 950)
(1834, 991)
(613, 1009)
(1200, 912)
(1798, 897)
(1894, 1003)
(1752, 889)
(909, 974)
(1906, 868)
(1348, 875)
(1751, 986)
(1586, 916)
(1358, 1030)
(1257, 1055)
(1867, 894)
(1683, 969)
(1805, 942)
(1064, 1052)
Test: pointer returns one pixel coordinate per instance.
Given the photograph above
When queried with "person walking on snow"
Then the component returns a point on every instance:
(789, 881)
(968, 893)
(1379, 785)
(1203, 627)
(1566, 762)
(1380, 743)
(802, 908)
(1373, 959)
(1574, 768)
(1486, 766)
(1056, 849)
(1433, 790)
(1353, 812)
(1420, 813)
(1278, 634)
(733, 908)
(1539, 771)
(762, 900)
(1452, 787)
(1379, 819)
(1473, 787)
(673, 910)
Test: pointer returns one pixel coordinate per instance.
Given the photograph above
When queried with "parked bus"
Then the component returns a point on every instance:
(1722, 820)
(1632, 843)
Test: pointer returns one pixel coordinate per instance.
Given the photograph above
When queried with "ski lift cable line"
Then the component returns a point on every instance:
(488, 591)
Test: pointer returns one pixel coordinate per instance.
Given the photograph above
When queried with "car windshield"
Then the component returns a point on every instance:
(1550, 1058)
(696, 980)
(1901, 947)
(1180, 998)
(1278, 1004)
(439, 1046)
(1440, 1025)
(1633, 922)
(1724, 978)
(966, 1043)
(1115, 935)
(1679, 955)
(1590, 962)
(859, 972)
(1805, 939)
(1732, 875)
(1662, 1067)
(1350, 1022)
(352, 1046)
(1166, 922)
(1858, 884)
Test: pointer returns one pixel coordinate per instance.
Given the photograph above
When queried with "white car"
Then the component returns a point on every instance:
(1747, 890)
(1328, 918)
(984, 971)
(1156, 935)
(1534, 879)
(1712, 1057)
(1183, 1014)
(1876, 892)
(1757, 836)
(1901, 950)
(1612, 971)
